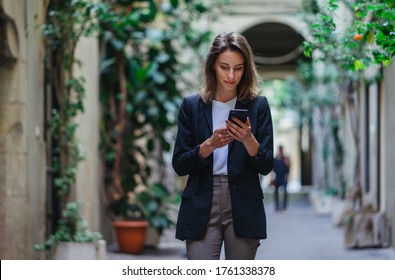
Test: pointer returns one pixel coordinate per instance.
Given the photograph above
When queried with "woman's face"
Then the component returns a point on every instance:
(229, 69)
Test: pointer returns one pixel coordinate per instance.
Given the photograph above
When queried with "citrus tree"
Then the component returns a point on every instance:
(354, 37)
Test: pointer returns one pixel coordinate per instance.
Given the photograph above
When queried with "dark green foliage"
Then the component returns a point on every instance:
(148, 49)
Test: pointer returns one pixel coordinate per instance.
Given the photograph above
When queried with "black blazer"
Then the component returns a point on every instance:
(194, 127)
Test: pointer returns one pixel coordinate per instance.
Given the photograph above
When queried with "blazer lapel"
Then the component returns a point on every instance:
(241, 105)
(208, 114)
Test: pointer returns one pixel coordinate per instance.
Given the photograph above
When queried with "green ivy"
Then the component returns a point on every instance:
(72, 228)
(67, 22)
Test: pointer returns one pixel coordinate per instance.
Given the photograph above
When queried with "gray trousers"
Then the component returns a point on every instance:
(220, 231)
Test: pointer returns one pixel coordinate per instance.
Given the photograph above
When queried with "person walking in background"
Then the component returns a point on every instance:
(222, 202)
(281, 168)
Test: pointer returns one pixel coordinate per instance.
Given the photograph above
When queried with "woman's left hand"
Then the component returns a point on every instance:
(242, 132)
(239, 131)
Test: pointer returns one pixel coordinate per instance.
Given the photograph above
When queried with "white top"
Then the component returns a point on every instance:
(220, 114)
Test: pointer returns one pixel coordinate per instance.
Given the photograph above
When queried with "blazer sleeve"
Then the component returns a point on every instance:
(263, 162)
(186, 159)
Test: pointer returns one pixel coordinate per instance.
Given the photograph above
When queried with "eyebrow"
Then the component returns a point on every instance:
(241, 64)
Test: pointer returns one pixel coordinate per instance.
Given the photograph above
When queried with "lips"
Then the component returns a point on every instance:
(230, 82)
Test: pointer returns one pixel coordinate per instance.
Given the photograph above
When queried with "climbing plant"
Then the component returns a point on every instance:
(67, 21)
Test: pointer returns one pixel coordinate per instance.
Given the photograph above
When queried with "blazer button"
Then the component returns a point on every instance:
(233, 187)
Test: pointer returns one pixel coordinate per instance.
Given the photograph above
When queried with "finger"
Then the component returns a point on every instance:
(224, 135)
(234, 134)
(226, 139)
(231, 125)
(238, 122)
(229, 137)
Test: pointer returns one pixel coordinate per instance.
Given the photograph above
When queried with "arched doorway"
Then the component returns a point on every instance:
(276, 46)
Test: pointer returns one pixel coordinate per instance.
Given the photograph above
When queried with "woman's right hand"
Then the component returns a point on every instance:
(218, 139)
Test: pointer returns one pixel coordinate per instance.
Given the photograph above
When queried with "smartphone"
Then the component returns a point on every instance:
(241, 114)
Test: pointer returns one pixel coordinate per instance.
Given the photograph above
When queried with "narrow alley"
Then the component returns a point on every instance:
(298, 234)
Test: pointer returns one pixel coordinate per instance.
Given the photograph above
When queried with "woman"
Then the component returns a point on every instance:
(222, 202)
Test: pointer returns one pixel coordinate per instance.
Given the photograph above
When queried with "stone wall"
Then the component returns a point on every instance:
(22, 152)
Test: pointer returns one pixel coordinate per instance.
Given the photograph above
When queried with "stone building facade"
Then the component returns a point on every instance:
(26, 213)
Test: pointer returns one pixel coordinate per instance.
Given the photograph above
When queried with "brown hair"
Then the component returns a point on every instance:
(247, 89)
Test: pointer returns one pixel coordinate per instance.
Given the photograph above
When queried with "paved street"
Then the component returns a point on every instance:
(298, 234)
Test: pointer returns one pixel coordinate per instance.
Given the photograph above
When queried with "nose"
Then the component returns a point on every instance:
(231, 74)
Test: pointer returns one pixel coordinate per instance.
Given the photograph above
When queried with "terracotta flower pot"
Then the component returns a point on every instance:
(130, 235)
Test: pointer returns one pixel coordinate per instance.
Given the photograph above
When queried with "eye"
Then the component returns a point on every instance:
(224, 67)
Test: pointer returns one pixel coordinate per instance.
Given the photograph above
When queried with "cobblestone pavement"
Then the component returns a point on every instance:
(298, 234)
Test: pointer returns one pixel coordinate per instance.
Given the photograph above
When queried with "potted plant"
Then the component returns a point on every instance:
(72, 238)
(131, 228)
(128, 220)
(141, 217)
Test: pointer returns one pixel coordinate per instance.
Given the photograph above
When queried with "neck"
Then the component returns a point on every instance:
(225, 96)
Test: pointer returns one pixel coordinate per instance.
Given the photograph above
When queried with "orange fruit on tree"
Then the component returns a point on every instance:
(358, 37)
